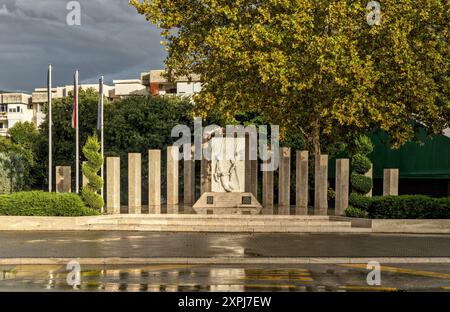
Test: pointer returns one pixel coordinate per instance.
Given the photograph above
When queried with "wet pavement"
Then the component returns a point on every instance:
(174, 278)
(154, 245)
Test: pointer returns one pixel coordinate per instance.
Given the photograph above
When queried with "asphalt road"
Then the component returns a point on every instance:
(153, 245)
(173, 278)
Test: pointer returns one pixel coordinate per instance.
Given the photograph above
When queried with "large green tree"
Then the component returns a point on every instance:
(315, 67)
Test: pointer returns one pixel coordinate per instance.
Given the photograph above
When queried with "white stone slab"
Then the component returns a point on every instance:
(228, 165)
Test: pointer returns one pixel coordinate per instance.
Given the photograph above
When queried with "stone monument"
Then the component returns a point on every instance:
(227, 194)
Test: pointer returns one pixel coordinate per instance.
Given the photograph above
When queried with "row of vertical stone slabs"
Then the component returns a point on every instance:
(63, 182)
(390, 183)
(135, 180)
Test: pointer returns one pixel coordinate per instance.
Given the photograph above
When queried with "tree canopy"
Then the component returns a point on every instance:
(316, 67)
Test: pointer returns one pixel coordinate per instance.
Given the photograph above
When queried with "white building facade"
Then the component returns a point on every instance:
(14, 108)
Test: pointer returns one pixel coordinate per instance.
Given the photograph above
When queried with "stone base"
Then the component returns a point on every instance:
(227, 203)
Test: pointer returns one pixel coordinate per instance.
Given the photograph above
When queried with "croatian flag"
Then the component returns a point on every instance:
(75, 100)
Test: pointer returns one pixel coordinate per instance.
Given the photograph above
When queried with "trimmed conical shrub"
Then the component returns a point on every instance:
(91, 168)
(361, 184)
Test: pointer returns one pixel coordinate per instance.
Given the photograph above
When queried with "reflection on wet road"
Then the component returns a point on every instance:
(172, 278)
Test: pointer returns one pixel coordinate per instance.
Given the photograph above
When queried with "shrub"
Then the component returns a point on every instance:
(360, 183)
(361, 164)
(43, 204)
(354, 212)
(363, 145)
(91, 151)
(360, 201)
(409, 207)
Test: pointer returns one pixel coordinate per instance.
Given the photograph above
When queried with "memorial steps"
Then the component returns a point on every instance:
(222, 223)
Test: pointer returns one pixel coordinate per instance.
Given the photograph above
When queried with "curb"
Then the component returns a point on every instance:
(223, 260)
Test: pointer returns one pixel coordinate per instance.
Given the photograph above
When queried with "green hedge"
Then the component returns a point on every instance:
(398, 207)
(360, 201)
(409, 207)
(354, 212)
(361, 183)
(43, 204)
(361, 164)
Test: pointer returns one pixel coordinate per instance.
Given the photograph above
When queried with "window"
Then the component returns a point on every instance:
(3, 109)
(1, 126)
(18, 109)
(30, 106)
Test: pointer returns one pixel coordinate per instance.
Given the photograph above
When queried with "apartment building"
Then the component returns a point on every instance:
(127, 87)
(14, 108)
(158, 84)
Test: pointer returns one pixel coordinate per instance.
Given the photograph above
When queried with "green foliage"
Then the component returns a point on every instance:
(360, 183)
(5, 175)
(89, 193)
(363, 145)
(354, 212)
(409, 207)
(360, 201)
(136, 124)
(331, 194)
(315, 67)
(399, 207)
(16, 163)
(24, 134)
(361, 164)
(43, 204)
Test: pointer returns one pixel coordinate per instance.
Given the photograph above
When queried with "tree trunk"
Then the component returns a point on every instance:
(315, 141)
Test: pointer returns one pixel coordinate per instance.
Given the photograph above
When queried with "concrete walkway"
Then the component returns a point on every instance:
(84, 244)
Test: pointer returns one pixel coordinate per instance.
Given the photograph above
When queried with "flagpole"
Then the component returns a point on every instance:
(77, 133)
(102, 147)
(50, 124)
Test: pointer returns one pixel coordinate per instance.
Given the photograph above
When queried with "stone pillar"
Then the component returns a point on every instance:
(134, 183)
(154, 180)
(63, 179)
(301, 183)
(321, 185)
(342, 186)
(284, 178)
(390, 182)
(370, 175)
(267, 190)
(205, 176)
(113, 185)
(251, 168)
(254, 186)
(84, 179)
(172, 175)
(189, 178)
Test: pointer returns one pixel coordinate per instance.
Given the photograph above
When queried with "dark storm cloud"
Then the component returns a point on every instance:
(112, 40)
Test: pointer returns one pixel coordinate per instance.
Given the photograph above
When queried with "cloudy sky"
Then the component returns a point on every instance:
(113, 39)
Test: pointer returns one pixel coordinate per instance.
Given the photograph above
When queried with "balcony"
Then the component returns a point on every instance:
(3, 131)
(3, 116)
